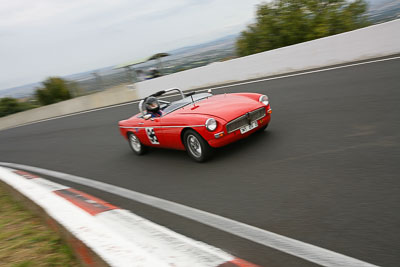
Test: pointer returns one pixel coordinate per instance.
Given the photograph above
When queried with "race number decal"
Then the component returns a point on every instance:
(152, 136)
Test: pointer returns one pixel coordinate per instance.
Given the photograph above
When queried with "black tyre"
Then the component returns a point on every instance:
(197, 148)
(135, 144)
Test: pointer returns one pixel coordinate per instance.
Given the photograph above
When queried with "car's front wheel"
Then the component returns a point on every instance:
(135, 144)
(197, 148)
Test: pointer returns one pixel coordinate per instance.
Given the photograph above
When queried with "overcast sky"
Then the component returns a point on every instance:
(41, 38)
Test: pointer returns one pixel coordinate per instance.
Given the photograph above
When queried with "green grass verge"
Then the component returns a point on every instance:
(25, 241)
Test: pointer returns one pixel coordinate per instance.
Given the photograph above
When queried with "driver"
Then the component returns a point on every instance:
(153, 107)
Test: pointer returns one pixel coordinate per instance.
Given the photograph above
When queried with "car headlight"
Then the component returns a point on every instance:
(264, 100)
(211, 124)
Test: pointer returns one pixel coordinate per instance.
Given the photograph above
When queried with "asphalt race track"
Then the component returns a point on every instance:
(326, 171)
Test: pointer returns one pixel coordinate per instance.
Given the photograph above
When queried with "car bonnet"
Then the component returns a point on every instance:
(226, 107)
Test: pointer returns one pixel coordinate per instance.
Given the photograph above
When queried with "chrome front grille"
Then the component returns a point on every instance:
(245, 120)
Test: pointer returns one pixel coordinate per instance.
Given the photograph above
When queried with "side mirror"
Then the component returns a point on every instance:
(147, 116)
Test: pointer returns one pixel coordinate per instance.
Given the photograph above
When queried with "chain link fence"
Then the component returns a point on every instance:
(101, 80)
(108, 78)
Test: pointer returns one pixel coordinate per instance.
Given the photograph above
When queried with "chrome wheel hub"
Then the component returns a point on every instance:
(135, 143)
(194, 146)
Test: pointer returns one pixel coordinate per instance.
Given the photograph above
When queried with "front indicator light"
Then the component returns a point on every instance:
(269, 111)
(219, 135)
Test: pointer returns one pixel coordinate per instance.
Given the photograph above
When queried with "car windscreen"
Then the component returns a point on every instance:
(185, 101)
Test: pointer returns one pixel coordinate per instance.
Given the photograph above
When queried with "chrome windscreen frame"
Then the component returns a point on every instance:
(166, 91)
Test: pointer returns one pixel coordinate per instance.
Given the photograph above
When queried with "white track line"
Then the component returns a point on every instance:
(288, 245)
(117, 236)
(218, 88)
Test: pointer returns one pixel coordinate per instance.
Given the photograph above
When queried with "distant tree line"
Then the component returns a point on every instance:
(287, 22)
(9, 105)
(53, 90)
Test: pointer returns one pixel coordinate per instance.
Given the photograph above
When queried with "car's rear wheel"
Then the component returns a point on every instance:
(135, 144)
(197, 148)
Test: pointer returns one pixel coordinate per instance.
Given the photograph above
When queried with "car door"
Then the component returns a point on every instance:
(170, 128)
(149, 132)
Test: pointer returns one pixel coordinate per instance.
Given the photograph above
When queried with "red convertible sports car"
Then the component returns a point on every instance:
(196, 123)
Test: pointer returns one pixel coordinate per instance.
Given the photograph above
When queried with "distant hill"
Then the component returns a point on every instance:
(383, 10)
(28, 89)
(379, 11)
(19, 91)
(374, 3)
(227, 39)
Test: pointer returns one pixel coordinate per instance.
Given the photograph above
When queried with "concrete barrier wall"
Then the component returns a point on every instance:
(106, 98)
(374, 41)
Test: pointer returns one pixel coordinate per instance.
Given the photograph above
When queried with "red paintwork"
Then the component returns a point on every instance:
(223, 108)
